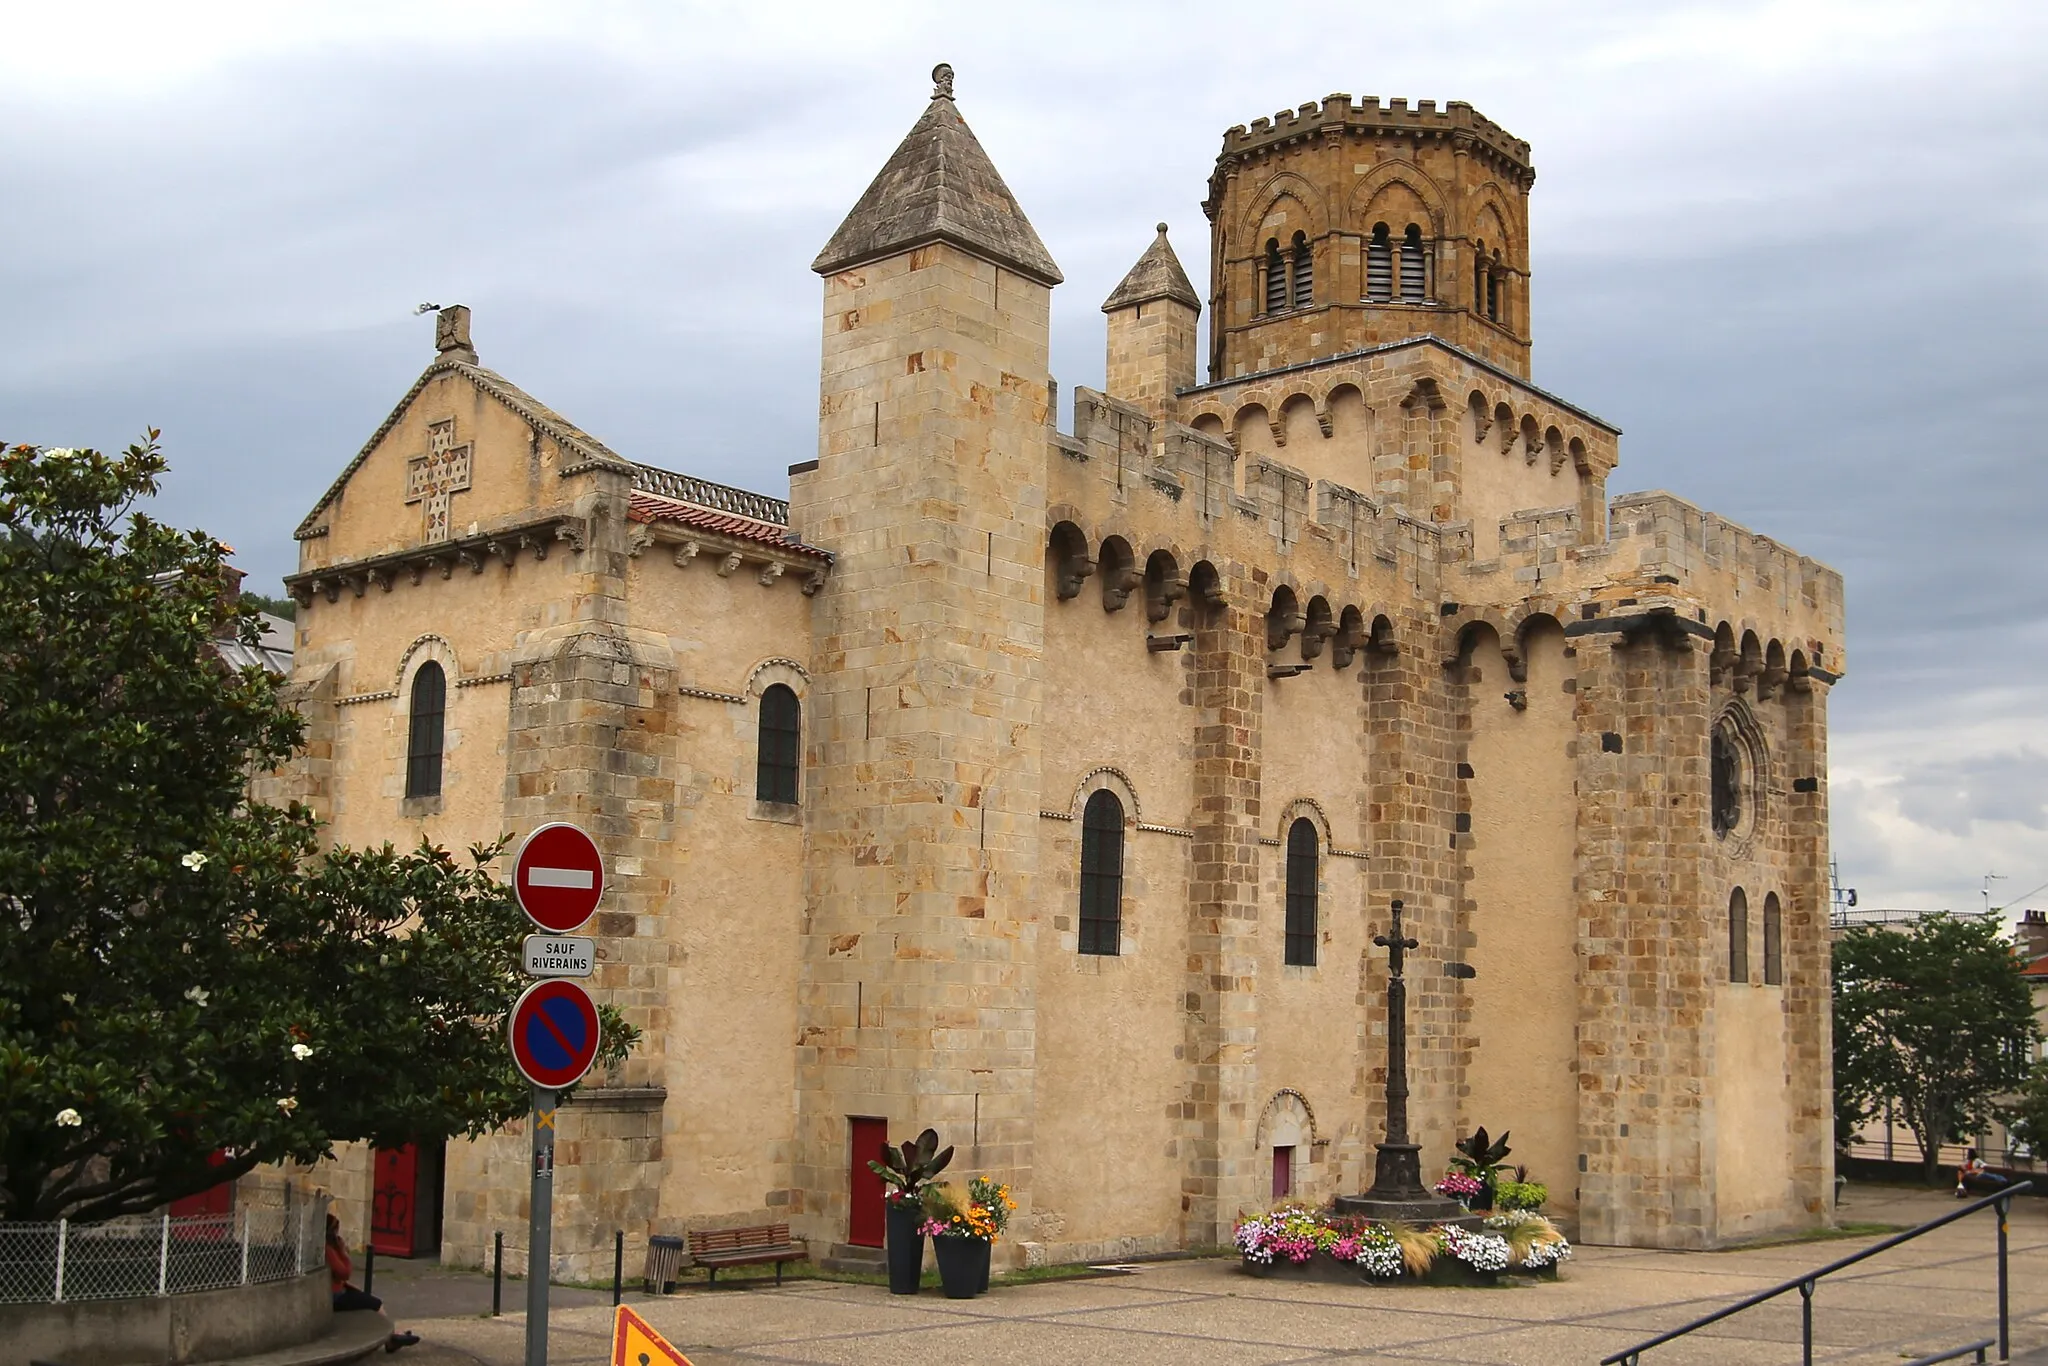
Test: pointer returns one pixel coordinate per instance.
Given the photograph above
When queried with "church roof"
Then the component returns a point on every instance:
(654, 507)
(1157, 275)
(939, 186)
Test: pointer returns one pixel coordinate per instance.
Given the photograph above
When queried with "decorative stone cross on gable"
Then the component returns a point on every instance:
(434, 477)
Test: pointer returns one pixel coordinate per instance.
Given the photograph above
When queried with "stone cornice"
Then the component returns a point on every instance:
(414, 563)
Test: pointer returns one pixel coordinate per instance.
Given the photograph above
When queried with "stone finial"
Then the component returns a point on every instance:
(942, 82)
(451, 334)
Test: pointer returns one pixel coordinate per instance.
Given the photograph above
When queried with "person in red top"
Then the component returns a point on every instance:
(1974, 1178)
(349, 1298)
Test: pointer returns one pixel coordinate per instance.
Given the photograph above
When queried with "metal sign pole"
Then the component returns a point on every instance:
(541, 1210)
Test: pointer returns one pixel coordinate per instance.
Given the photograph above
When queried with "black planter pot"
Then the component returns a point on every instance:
(963, 1265)
(905, 1248)
(1481, 1203)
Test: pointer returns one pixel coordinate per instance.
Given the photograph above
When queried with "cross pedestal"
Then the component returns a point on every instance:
(1397, 1190)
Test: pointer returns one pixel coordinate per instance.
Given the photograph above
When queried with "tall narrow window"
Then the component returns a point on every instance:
(1379, 264)
(1479, 277)
(1102, 874)
(1304, 272)
(1774, 942)
(1412, 272)
(779, 748)
(1302, 871)
(1493, 294)
(423, 735)
(1738, 937)
(1276, 277)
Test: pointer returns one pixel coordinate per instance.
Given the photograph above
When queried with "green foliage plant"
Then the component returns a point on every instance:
(907, 1170)
(1522, 1195)
(2026, 1115)
(190, 985)
(1938, 1018)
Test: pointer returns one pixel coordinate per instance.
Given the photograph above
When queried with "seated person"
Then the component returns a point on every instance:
(1974, 1178)
(348, 1298)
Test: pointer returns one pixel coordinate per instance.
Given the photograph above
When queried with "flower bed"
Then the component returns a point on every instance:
(1315, 1242)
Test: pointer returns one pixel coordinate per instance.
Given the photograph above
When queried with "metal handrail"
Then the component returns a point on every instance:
(1956, 1353)
(1805, 1284)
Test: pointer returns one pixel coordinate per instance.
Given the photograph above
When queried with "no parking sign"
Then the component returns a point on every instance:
(554, 1033)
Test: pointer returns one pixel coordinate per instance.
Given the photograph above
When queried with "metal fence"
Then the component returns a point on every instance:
(50, 1263)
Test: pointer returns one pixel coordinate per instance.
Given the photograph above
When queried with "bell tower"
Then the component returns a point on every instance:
(1352, 224)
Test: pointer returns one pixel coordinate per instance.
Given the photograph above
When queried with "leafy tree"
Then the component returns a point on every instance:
(2026, 1117)
(183, 972)
(277, 607)
(1938, 1019)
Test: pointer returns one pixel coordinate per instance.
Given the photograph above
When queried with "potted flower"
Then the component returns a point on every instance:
(962, 1230)
(1461, 1187)
(907, 1172)
(1481, 1159)
(994, 1197)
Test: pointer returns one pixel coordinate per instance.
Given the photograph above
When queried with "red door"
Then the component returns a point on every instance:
(214, 1200)
(394, 1197)
(865, 1222)
(1283, 1172)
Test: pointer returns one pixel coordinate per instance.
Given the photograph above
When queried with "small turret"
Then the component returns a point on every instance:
(1152, 317)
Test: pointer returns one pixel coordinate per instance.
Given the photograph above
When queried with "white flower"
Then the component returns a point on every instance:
(68, 1118)
(196, 995)
(301, 1051)
(194, 860)
(69, 998)
(288, 1103)
(60, 453)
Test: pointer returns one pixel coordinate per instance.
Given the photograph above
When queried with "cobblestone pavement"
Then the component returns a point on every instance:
(1937, 1292)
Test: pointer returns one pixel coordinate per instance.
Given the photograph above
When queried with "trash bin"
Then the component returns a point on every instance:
(664, 1259)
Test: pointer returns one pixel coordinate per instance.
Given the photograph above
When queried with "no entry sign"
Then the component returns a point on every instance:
(558, 877)
(554, 1033)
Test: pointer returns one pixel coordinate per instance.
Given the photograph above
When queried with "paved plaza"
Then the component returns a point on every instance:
(1936, 1292)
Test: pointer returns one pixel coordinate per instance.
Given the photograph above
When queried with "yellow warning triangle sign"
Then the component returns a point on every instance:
(636, 1344)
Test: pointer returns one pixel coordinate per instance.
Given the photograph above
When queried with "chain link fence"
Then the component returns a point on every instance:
(50, 1263)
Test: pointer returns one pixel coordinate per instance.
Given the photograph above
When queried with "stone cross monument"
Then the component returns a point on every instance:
(1397, 1191)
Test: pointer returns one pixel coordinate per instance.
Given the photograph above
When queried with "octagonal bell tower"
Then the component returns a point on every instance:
(1351, 224)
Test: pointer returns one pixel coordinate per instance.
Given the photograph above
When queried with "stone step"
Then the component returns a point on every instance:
(354, 1336)
(865, 1261)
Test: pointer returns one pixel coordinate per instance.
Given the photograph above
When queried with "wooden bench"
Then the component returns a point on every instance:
(713, 1248)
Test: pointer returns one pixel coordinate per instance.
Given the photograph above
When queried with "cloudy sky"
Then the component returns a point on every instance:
(1795, 250)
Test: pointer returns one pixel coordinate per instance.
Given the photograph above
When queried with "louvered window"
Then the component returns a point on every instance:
(1102, 874)
(424, 731)
(1302, 874)
(1479, 277)
(1774, 942)
(1276, 278)
(779, 748)
(1493, 294)
(1738, 937)
(1304, 272)
(1379, 264)
(1412, 275)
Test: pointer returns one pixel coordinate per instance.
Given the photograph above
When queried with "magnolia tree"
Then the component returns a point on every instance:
(1936, 1018)
(189, 984)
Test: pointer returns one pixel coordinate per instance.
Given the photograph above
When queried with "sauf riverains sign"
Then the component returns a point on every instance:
(560, 955)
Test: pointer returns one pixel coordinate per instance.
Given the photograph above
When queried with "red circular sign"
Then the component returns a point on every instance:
(558, 877)
(554, 1033)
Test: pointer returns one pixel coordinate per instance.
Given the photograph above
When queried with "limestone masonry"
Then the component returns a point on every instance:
(1048, 787)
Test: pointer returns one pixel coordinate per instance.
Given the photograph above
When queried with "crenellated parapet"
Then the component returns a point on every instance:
(1339, 115)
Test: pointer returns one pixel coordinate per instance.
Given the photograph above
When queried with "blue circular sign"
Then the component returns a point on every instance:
(554, 1033)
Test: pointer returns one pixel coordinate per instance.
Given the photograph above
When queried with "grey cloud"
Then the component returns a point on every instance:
(1954, 795)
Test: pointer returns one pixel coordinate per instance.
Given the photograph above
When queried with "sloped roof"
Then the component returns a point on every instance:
(653, 507)
(1157, 275)
(939, 185)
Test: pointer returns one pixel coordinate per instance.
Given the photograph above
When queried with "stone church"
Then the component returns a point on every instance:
(1048, 787)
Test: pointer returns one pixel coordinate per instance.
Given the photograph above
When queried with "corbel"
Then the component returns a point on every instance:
(1161, 597)
(1279, 430)
(1314, 636)
(1532, 446)
(638, 537)
(571, 531)
(446, 562)
(506, 551)
(1768, 683)
(470, 556)
(770, 572)
(537, 544)
(1283, 628)
(1116, 588)
(382, 578)
(357, 583)
(417, 569)
(815, 582)
(685, 553)
(1073, 569)
(727, 565)
(1482, 423)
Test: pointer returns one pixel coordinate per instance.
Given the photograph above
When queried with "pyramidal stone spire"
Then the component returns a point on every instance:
(1158, 275)
(940, 186)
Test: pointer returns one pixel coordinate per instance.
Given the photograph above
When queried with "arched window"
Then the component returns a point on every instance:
(779, 748)
(1412, 273)
(1493, 292)
(1738, 937)
(1479, 277)
(1379, 264)
(423, 734)
(1774, 942)
(1304, 272)
(1276, 277)
(1302, 874)
(1102, 874)
(1724, 779)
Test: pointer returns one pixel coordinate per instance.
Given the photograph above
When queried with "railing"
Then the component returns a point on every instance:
(53, 1263)
(719, 497)
(1805, 1286)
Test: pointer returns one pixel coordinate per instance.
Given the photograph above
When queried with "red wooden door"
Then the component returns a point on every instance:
(1283, 1172)
(214, 1200)
(865, 1220)
(394, 1198)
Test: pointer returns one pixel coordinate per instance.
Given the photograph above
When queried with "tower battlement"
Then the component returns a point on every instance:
(1340, 113)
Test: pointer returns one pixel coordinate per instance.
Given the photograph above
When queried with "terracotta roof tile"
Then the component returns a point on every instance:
(652, 507)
